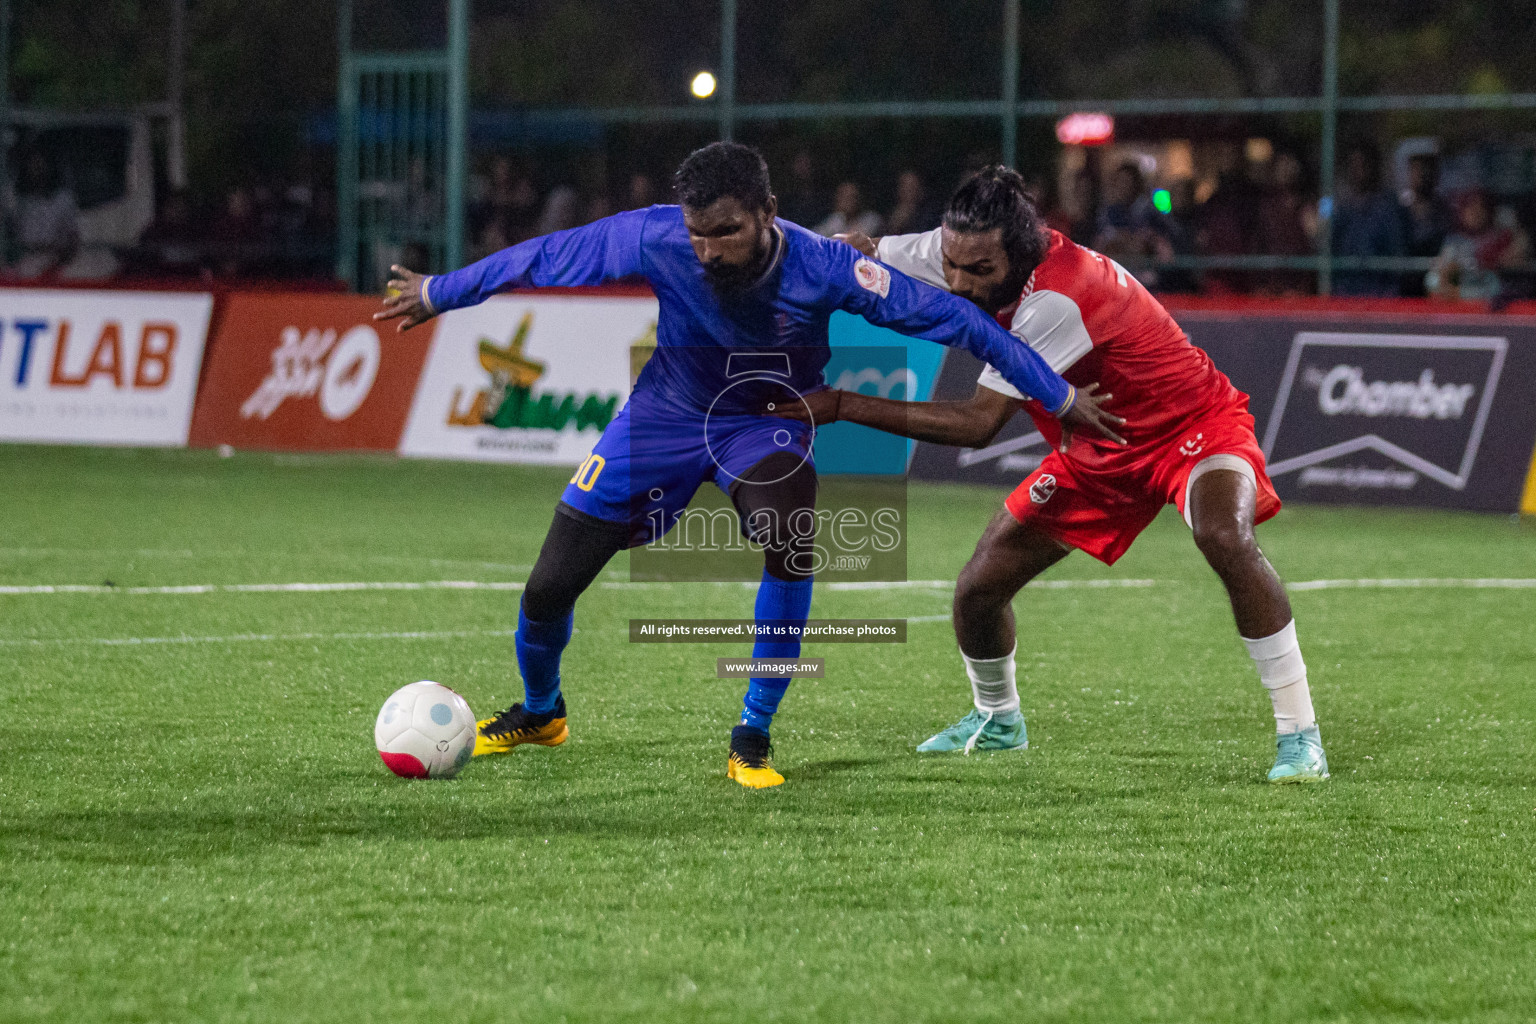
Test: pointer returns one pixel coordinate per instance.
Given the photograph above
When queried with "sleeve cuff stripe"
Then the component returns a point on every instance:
(1067, 405)
(426, 300)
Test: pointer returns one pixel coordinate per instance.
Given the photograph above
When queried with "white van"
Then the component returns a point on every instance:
(107, 160)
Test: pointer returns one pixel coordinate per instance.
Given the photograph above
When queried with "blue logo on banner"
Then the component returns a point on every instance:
(880, 362)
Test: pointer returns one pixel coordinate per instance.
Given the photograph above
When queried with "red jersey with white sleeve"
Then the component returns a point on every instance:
(1093, 322)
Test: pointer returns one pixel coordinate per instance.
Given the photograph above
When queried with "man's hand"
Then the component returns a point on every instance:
(1088, 411)
(404, 299)
(818, 408)
(860, 241)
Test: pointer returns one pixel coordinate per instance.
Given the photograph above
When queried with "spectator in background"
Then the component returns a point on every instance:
(319, 233)
(1124, 224)
(1366, 223)
(284, 223)
(800, 200)
(1177, 229)
(170, 246)
(494, 237)
(1077, 216)
(598, 207)
(45, 219)
(849, 214)
(510, 224)
(1426, 217)
(912, 212)
(1286, 225)
(1226, 222)
(509, 212)
(1482, 243)
(642, 192)
(235, 235)
(423, 204)
(560, 210)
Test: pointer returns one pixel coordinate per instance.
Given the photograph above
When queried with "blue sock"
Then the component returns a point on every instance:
(539, 645)
(777, 601)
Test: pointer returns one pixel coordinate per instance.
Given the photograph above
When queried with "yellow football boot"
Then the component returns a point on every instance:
(517, 725)
(751, 759)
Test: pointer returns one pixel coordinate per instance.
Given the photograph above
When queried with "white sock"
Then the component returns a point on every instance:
(992, 683)
(1284, 675)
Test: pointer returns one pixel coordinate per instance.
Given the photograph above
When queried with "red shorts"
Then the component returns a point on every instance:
(1101, 511)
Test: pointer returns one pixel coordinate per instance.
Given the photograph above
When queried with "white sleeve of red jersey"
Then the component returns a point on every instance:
(918, 256)
(1051, 324)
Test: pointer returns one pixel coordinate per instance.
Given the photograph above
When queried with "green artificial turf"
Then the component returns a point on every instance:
(200, 830)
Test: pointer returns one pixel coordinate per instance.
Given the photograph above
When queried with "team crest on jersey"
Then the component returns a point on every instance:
(872, 277)
(1041, 490)
(1194, 445)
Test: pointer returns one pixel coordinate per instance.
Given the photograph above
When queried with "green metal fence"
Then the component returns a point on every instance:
(400, 153)
(1008, 109)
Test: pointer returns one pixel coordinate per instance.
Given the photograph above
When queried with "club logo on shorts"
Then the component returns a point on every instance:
(872, 277)
(1041, 490)
(1193, 446)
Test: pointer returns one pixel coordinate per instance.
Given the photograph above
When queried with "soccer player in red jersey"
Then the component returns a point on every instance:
(1189, 441)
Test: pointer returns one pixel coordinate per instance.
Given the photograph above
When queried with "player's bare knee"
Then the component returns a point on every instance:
(977, 594)
(1227, 545)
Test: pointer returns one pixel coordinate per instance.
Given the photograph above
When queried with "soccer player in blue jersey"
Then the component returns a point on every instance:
(739, 290)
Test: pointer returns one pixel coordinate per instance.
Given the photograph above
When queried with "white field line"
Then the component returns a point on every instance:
(873, 585)
(1416, 584)
(470, 634)
(263, 588)
(16, 552)
(513, 585)
(903, 585)
(239, 638)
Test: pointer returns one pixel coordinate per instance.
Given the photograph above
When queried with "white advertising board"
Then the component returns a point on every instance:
(526, 378)
(98, 367)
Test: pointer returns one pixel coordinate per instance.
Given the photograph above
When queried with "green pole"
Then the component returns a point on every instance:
(727, 69)
(1330, 140)
(457, 141)
(5, 114)
(1010, 82)
(346, 152)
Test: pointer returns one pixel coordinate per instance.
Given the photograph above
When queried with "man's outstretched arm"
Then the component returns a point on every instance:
(971, 423)
(888, 298)
(601, 251)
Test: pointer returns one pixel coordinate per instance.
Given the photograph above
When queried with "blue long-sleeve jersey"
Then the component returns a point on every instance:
(786, 310)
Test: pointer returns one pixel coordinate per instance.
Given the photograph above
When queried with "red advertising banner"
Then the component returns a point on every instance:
(297, 371)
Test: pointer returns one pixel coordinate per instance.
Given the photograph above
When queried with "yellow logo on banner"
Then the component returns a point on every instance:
(510, 401)
(1528, 503)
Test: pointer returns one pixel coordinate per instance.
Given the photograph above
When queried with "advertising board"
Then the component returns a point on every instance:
(1431, 411)
(526, 378)
(100, 367)
(1407, 410)
(307, 372)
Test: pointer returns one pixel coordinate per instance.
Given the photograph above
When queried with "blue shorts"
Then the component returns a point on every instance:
(653, 456)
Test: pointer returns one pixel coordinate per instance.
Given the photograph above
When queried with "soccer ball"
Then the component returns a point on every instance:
(425, 731)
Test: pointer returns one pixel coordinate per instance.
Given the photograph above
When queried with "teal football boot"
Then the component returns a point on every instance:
(1299, 758)
(979, 730)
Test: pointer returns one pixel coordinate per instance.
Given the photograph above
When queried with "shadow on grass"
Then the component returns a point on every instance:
(350, 808)
(813, 770)
(151, 836)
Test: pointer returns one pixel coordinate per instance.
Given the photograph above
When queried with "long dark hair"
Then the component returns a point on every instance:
(996, 197)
